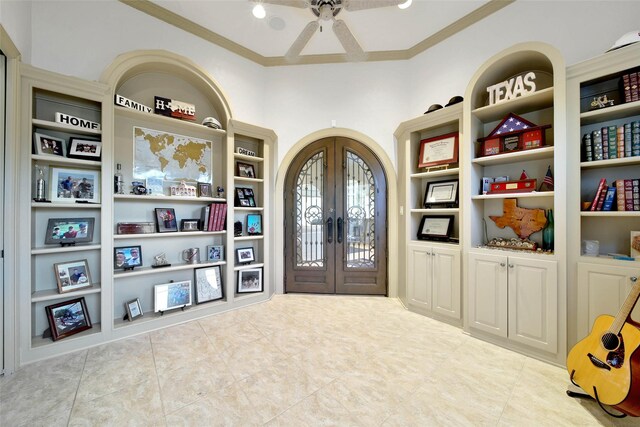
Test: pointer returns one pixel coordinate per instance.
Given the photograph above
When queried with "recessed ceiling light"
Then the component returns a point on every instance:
(259, 12)
(405, 4)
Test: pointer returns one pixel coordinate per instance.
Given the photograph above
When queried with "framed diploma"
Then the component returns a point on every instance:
(442, 194)
(435, 227)
(441, 150)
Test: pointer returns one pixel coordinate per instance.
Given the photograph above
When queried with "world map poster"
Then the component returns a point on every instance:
(172, 157)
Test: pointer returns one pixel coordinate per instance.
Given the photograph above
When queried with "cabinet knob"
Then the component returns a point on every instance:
(634, 279)
(502, 264)
(510, 265)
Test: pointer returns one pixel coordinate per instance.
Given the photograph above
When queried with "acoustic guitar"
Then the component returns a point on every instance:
(606, 364)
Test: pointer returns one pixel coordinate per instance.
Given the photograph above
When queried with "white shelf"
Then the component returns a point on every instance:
(248, 266)
(518, 156)
(63, 249)
(243, 238)
(174, 267)
(40, 205)
(240, 208)
(180, 125)
(606, 260)
(523, 104)
(53, 294)
(38, 341)
(244, 179)
(150, 316)
(45, 124)
(610, 113)
(625, 161)
(433, 174)
(172, 234)
(435, 211)
(532, 194)
(611, 213)
(169, 199)
(238, 156)
(64, 161)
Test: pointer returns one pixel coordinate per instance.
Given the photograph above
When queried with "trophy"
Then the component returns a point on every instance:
(160, 261)
(41, 185)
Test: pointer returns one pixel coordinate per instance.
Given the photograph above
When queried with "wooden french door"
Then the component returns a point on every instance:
(336, 220)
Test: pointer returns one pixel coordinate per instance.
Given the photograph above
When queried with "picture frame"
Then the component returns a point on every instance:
(188, 225)
(155, 185)
(215, 253)
(133, 309)
(50, 146)
(250, 281)
(439, 150)
(68, 318)
(166, 220)
(435, 227)
(204, 189)
(635, 245)
(72, 275)
(172, 295)
(208, 282)
(81, 148)
(127, 257)
(245, 170)
(69, 231)
(441, 194)
(254, 224)
(75, 185)
(245, 197)
(245, 255)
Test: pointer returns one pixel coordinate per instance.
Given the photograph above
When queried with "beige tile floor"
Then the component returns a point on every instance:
(298, 360)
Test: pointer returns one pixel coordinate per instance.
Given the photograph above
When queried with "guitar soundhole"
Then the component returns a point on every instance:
(610, 341)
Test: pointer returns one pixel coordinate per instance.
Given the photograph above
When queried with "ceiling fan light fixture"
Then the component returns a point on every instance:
(405, 4)
(258, 11)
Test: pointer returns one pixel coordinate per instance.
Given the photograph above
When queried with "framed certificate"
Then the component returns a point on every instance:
(441, 150)
(441, 194)
(435, 227)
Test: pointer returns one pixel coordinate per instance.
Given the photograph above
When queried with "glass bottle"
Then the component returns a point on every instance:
(547, 233)
(118, 181)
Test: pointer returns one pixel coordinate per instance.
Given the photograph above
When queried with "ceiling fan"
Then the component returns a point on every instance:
(327, 10)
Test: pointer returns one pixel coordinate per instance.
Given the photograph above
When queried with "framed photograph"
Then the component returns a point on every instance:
(46, 145)
(208, 284)
(635, 244)
(245, 255)
(254, 224)
(441, 194)
(134, 309)
(204, 189)
(68, 317)
(215, 253)
(435, 227)
(172, 295)
(69, 231)
(155, 185)
(127, 257)
(75, 185)
(245, 170)
(250, 280)
(80, 148)
(441, 150)
(166, 220)
(245, 197)
(72, 275)
(190, 225)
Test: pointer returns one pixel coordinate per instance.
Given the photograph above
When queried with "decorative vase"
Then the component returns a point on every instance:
(547, 233)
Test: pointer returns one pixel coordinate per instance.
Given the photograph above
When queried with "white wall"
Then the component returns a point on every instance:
(15, 17)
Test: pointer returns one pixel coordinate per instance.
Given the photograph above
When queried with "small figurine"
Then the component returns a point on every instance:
(220, 192)
(160, 260)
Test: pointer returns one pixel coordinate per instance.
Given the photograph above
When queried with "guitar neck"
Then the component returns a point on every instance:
(625, 310)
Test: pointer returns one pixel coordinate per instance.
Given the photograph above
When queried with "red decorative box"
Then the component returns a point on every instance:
(521, 186)
(491, 147)
(533, 139)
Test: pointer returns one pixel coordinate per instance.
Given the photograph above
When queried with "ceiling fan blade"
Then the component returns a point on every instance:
(302, 40)
(352, 5)
(348, 41)
(303, 4)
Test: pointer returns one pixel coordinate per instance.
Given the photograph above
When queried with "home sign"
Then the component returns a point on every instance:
(76, 121)
(512, 88)
(172, 108)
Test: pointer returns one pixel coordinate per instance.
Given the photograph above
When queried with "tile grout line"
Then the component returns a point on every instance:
(75, 396)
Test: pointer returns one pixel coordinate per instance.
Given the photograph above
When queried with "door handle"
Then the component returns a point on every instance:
(330, 230)
(340, 226)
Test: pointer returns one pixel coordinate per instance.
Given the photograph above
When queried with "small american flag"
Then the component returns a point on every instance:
(548, 179)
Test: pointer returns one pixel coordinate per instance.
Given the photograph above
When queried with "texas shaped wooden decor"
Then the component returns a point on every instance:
(523, 221)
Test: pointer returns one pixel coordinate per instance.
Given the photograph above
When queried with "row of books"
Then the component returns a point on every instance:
(214, 217)
(630, 87)
(612, 142)
(621, 195)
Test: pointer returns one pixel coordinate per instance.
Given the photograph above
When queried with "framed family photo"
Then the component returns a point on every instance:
(75, 185)
(245, 170)
(68, 318)
(46, 145)
(250, 280)
(127, 257)
(168, 296)
(80, 148)
(208, 284)
(69, 231)
(245, 255)
(72, 275)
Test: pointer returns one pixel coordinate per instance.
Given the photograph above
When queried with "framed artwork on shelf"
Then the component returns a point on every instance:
(190, 225)
(127, 257)
(254, 224)
(435, 227)
(245, 255)
(204, 189)
(245, 197)
(166, 220)
(86, 149)
(168, 296)
(441, 194)
(440, 150)
(215, 253)
(68, 318)
(250, 280)
(245, 170)
(208, 284)
(69, 231)
(75, 185)
(134, 309)
(46, 145)
(72, 275)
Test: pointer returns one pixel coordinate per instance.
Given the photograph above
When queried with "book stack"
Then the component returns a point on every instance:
(612, 142)
(623, 195)
(630, 86)
(214, 217)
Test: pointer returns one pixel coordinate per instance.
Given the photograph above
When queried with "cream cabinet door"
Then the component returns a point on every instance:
(602, 289)
(487, 302)
(446, 281)
(533, 302)
(419, 276)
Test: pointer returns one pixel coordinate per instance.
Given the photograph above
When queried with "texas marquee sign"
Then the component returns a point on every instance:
(515, 87)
